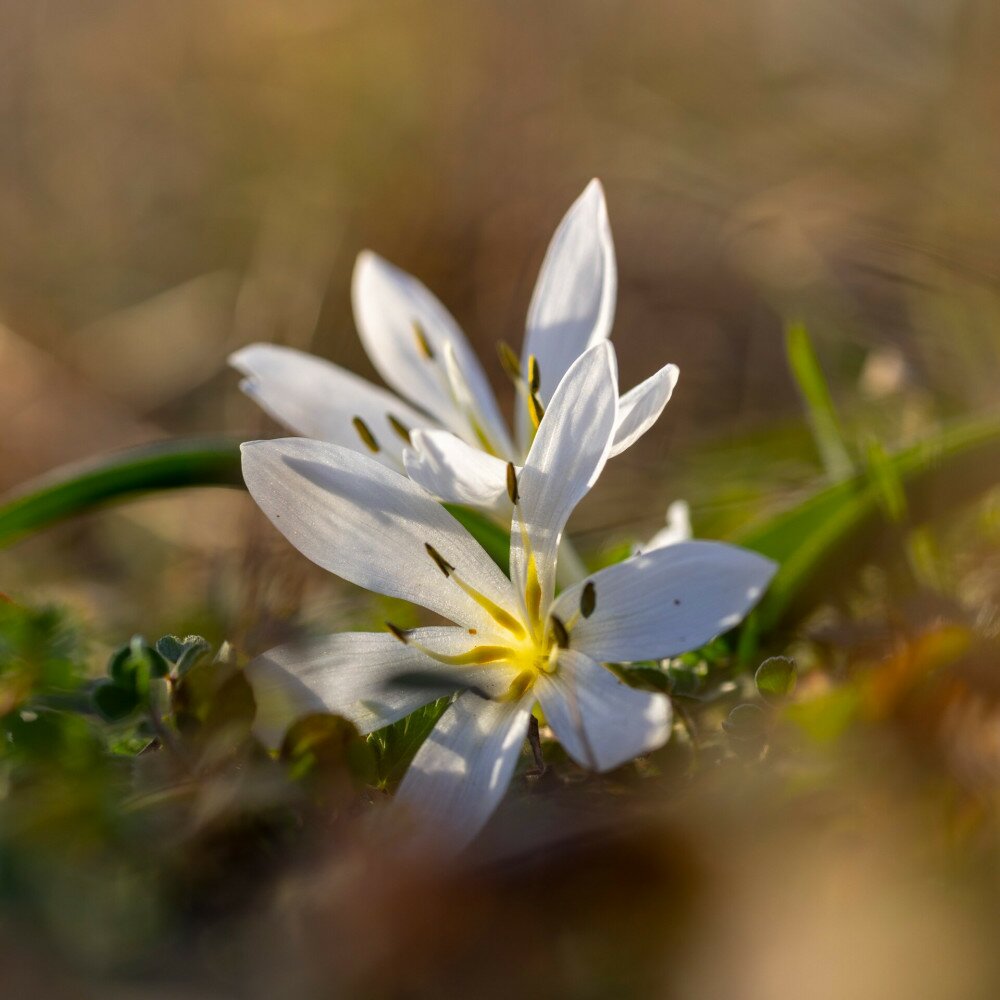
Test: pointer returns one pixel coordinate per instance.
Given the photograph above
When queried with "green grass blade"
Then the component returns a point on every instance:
(164, 466)
(822, 542)
(820, 410)
(150, 468)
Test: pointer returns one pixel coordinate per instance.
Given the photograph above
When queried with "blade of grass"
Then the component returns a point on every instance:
(166, 465)
(818, 544)
(820, 410)
(821, 543)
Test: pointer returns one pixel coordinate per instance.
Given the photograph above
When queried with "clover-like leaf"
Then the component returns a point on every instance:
(115, 702)
(747, 728)
(183, 653)
(775, 678)
(136, 664)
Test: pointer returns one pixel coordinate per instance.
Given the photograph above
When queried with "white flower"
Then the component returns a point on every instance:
(677, 529)
(445, 426)
(513, 643)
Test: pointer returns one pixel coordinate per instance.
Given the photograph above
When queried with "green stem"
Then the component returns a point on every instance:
(73, 489)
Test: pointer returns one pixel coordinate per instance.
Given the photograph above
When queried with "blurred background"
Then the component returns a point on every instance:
(177, 180)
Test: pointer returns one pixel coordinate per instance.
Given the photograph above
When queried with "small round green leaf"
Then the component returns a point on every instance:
(746, 722)
(775, 678)
(183, 653)
(114, 702)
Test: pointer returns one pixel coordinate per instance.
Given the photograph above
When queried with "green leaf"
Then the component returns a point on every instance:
(396, 745)
(136, 664)
(488, 533)
(821, 543)
(323, 749)
(183, 653)
(885, 479)
(166, 466)
(115, 702)
(818, 544)
(775, 678)
(161, 466)
(822, 415)
(747, 727)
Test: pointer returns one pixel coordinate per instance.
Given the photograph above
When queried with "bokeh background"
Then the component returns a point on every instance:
(179, 179)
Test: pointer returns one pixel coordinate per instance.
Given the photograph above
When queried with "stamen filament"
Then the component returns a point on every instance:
(532, 585)
(476, 656)
(518, 686)
(503, 618)
(509, 361)
(535, 410)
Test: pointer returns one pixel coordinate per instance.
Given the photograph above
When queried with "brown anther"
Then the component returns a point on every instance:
(534, 375)
(401, 634)
(559, 632)
(588, 599)
(364, 432)
(423, 344)
(512, 483)
(442, 563)
(399, 427)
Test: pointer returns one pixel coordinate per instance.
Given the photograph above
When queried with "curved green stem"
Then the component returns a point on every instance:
(817, 544)
(150, 468)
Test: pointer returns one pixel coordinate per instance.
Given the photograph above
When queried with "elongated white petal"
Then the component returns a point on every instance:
(394, 312)
(567, 455)
(455, 472)
(370, 526)
(317, 399)
(371, 678)
(601, 722)
(641, 407)
(573, 304)
(665, 602)
(678, 528)
(463, 768)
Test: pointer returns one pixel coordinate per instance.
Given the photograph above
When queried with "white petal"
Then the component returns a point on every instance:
(317, 399)
(678, 528)
(455, 472)
(387, 304)
(641, 407)
(370, 678)
(573, 304)
(462, 770)
(370, 525)
(665, 602)
(601, 722)
(567, 455)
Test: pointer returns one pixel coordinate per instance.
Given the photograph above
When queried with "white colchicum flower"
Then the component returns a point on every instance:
(677, 529)
(514, 643)
(444, 426)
